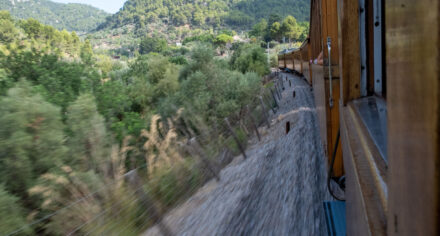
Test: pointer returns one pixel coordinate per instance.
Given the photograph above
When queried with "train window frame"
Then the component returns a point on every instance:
(372, 48)
(372, 106)
(373, 112)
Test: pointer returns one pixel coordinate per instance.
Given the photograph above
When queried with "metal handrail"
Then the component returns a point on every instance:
(329, 46)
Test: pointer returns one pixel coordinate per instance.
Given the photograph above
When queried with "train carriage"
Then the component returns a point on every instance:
(298, 61)
(305, 60)
(290, 60)
(377, 88)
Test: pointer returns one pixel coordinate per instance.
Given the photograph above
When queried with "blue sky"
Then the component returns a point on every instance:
(110, 6)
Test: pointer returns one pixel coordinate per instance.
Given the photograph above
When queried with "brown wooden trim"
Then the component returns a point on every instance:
(356, 215)
(349, 46)
(372, 185)
(413, 100)
(371, 155)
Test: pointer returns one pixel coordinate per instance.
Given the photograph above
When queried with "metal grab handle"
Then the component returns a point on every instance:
(329, 46)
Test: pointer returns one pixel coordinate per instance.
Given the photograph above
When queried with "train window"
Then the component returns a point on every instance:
(372, 107)
(363, 46)
(378, 46)
(371, 22)
(373, 113)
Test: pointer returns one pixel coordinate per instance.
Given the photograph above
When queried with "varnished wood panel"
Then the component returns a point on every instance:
(356, 215)
(281, 61)
(332, 117)
(366, 181)
(329, 26)
(413, 59)
(297, 58)
(328, 117)
(305, 60)
(349, 49)
(306, 70)
(319, 91)
(289, 61)
(309, 67)
(315, 28)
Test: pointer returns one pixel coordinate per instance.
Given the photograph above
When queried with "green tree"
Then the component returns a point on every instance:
(223, 39)
(152, 44)
(87, 53)
(32, 138)
(250, 58)
(8, 31)
(274, 18)
(260, 29)
(212, 90)
(113, 98)
(155, 78)
(105, 63)
(199, 18)
(202, 56)
(11, 214)
(290, 28)
(32, 28)
(304, 31)
(5, 82)
(275, 31)
(88, 136)
(238, 19)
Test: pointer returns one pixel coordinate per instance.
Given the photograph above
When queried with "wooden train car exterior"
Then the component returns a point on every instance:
(281, 61)
(305, 60)
(325, 82)
(382, 73)
(290, 61)
(298, 60)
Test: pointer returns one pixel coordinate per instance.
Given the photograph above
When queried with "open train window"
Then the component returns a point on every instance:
(372, 45)
(372, 107)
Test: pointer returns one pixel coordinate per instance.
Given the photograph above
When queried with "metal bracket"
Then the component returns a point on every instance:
(329, 46)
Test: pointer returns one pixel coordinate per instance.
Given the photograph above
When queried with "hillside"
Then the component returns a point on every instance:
(72, 17)
(239, 14)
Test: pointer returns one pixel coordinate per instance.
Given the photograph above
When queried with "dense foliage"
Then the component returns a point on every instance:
(72, 120)
(278, 29)
(72, 17)
(234, 13)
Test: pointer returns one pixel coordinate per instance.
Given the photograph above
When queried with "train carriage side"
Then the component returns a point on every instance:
(390, 115)
(281, 62)
(372, 89)
(298, 61)
(305, 60)
(325, 82)
(290, 60)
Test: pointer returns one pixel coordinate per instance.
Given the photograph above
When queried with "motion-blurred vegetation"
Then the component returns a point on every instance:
(74, 121)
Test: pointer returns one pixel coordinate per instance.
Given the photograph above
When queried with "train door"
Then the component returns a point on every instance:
(324, 53)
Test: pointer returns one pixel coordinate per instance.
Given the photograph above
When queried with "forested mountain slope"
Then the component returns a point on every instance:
(259, 9)
(232, 13)
(72, 17)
